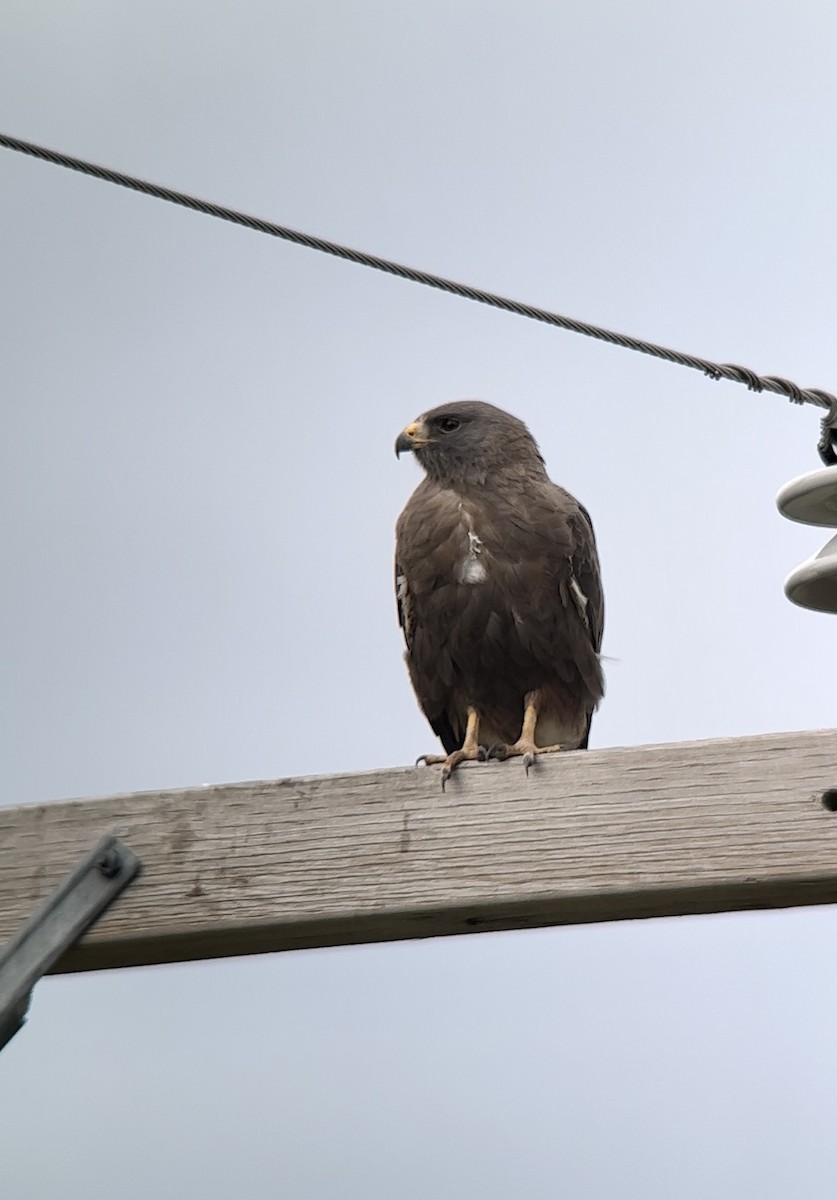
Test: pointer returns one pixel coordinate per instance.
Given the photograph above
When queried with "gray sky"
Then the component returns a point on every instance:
(197, 499)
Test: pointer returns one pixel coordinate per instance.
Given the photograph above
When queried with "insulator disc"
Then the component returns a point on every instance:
(811, 499)
(814, 583)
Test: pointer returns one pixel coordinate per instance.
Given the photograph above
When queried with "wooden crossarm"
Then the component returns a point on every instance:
(605, 835)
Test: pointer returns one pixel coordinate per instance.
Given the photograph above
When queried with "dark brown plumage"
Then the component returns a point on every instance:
(499, 592)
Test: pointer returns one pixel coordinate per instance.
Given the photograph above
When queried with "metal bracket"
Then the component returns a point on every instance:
(89, 889)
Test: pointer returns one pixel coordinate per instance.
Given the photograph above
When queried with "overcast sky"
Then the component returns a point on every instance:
(197, 495)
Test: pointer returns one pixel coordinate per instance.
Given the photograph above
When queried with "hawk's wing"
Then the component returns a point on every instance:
(417, 531)
(587, 572)
(440, 723)
(586, 569)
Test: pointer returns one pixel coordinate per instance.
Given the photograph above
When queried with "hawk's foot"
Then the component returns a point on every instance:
(471, 749)
(451, 761)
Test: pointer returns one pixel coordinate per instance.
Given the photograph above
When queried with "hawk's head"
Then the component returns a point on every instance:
(469, 441)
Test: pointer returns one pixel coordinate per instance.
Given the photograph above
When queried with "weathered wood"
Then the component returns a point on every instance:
(605, 835)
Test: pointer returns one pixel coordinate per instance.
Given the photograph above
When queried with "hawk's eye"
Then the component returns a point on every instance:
(448, 424)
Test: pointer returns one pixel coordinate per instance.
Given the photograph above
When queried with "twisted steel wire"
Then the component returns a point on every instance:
(731, 371)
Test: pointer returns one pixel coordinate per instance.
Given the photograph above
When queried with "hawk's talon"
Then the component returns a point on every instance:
(431, 760)
(528, 761)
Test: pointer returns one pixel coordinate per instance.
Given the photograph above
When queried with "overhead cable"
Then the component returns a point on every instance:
(731, 371)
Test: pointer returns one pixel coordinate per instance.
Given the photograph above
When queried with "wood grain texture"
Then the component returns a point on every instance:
(606, 835)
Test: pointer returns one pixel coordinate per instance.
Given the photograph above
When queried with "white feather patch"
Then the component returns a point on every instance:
(580, 600)
(472, 569)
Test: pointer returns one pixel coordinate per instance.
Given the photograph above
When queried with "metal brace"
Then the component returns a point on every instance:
(89, 889)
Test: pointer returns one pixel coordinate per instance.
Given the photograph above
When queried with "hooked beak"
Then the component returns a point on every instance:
(411, 438)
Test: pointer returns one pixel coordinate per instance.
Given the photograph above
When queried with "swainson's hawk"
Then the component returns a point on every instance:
(499, 592)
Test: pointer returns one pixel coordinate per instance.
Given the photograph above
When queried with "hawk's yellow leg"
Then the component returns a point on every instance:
(470, 749)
